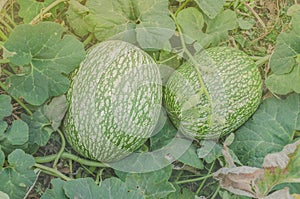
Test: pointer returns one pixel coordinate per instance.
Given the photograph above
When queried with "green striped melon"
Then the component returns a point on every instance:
(115, 101)
(215, 97)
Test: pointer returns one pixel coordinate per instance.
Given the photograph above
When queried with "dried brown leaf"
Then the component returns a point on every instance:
(280, 159)
(240, 180)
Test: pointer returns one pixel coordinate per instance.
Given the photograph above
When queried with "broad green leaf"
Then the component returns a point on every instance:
(192, 22)
(293, 187)
(209, 151)
(165, 147)
(16, 178)
(82, 188)
(2, 159)
(287, 48)
(3, 195)
(191, 158)
(246, 23)
(294, 9)
(269, 130)
(30, 8)
(57, 190)
(44, 56)
(56, 110)
(3, 127)
(16, 137)
(163, 137)
(39, 128)
(5, 106)
(153, 184)
(17, 134)
(211, 7)
(181, 193)
(146, 22)
(115, 188)
(285, 83)
(75, 16)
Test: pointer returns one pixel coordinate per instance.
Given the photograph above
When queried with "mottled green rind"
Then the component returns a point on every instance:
(230, 93)
(115, 101)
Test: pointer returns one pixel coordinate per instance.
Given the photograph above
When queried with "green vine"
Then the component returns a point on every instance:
(70, 156)
(63, 145)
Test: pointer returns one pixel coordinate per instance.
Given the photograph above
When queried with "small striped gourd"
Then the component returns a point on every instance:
(115, 101)
(215, 97)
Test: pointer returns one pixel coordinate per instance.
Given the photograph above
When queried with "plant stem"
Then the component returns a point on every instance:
(10, 20)
(45, 10)
(51, 171)
(3, 37)
(88, 39)
(195, 65)
(255, 15)
(73, 157)
(63, 145)
(216, 193)
(17, 100)
(194, 179)
(9, 28)
(182, 6)
(4, 61)
(203, 182)
(263, 60)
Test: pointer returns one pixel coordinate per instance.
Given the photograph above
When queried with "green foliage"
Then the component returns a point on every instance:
(146, 22)
(17, 176)
(16, 137)
(36, 61)
(285, 62)
(152, 184)
(270, 129)
(76, 18)
(216, 30)
(40, 57)
(211, 7)
(30, 8)
(5, 106)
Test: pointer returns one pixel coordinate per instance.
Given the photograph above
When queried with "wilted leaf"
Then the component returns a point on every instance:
(280, 167)
(56, 110)
(240, 180)
(43, 57)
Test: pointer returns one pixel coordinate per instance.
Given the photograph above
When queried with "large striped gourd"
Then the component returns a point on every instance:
(115, 101)
(215, 97)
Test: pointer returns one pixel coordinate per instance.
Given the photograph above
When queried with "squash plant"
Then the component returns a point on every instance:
(46, 65)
